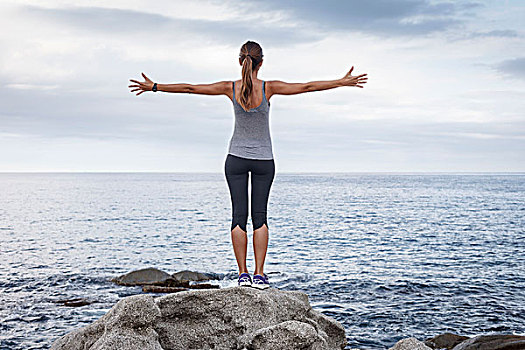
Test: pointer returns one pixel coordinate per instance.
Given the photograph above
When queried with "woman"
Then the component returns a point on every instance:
(250, 148)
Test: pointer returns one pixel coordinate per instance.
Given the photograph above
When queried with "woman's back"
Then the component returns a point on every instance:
(251, 136)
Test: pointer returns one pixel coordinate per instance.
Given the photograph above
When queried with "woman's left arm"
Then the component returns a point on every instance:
(218, 88)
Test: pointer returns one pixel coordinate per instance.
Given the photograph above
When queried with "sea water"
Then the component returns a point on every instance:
(387, 255)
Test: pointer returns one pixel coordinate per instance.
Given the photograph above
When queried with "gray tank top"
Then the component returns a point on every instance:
(251, 135)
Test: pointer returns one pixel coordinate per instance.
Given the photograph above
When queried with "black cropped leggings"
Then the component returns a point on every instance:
(262, 174)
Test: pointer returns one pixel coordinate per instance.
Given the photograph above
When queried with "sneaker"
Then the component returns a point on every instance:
(260, 282)
(245, 279)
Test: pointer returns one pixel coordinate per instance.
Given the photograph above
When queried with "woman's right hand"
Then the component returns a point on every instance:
(145, 86)
(350, 80)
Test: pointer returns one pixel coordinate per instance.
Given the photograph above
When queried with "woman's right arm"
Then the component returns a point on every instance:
(277, 87)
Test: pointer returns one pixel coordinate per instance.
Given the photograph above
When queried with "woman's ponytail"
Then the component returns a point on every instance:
(251, 55)
(246, 83)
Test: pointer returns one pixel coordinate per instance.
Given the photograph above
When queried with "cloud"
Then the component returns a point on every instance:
(496, 33)
(380, 17)
(130, 22)
(429, 103)
(504, 33)
(32, 86)
(308, 21)
(514, 68)
(64, 114)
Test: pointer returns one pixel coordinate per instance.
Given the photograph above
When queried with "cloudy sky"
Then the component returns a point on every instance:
(445, 91)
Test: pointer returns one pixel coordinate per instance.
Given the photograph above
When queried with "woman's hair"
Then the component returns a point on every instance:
(251, 55)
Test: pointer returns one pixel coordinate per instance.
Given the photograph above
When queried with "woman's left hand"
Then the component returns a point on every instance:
(145, 86)
(354, 80)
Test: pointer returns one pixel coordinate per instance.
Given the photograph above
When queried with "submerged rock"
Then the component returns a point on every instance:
(451, 341)
(187, 276)
(141, 277)
(74, 302)
(227, 318)
(154, 277)
(493, 342)
(445, 341)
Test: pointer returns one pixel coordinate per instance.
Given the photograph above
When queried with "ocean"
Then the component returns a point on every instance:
(389, 255)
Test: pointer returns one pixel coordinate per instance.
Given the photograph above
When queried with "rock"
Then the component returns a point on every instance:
(410, 344)
(137, 311)
(82, 338)
(204, 286)
(297, 335)
(493, 342)
(172, 282)
(159, 289)
(186, 276)
(74, 302)
(129, 339)
(126, 326)
(154, 276)
(445, 341)
(149, 275)
(225, 318)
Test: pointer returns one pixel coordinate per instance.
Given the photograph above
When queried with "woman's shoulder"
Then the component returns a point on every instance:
(258, 81)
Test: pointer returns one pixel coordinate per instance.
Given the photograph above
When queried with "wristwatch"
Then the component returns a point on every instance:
(154, 89)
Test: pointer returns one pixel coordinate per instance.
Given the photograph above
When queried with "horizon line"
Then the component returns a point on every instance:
(280, 172)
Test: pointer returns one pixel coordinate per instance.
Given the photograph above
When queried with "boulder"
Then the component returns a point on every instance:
(445, 341)
(141, 277)
(298, 335)
(410, 344)
(227, 318)
(493, 342)
(187, 276)
(126, 326)
(156, 277)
